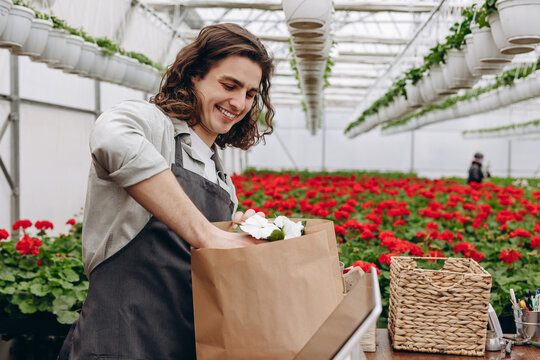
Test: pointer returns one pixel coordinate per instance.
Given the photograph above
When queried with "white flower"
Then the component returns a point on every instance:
(290, 228)
(258, 227)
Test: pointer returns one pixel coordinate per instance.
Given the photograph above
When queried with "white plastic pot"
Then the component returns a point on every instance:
(18, 27)
(54, 49)
(5, 6)
(519, 20)
(72, 53)
(100, 65)
(414, 99)
(439, 83)
(456, 72)
(37, 39)
(504, 46)
(485, 48)
(306, 14)
(86, 59)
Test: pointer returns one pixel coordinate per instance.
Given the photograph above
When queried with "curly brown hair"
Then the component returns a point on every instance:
(177, 96)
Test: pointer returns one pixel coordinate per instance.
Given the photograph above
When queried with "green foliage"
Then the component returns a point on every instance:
(52, 281)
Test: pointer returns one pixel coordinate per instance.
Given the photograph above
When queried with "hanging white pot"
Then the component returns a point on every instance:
(519, 20)
(456, 72)
(37, 39)
(438, 81)
(54, 49)
(86, 59)
(72, 52)
(100, 65)
(414, 99)
(5, 6)
(305, 14)
(18, 27)
(504, 46)
(485, 48)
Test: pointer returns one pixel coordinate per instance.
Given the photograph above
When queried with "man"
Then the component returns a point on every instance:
(475, 171)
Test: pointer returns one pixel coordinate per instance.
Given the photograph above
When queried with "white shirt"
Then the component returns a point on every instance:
(205, 153)
(129, 143)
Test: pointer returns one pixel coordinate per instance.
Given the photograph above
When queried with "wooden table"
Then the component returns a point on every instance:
(385, 352)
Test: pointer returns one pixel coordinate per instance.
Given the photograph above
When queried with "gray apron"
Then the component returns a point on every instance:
(139, 303)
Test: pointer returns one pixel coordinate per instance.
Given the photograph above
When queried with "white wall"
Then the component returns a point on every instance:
(438, 150)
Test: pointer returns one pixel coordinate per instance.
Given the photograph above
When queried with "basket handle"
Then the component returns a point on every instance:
(444, 288)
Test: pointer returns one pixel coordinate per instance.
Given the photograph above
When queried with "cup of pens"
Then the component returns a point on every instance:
(527, 316)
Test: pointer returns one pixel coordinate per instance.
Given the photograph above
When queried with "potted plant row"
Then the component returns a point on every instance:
(480, 44)
(309, 25)
(49, 40)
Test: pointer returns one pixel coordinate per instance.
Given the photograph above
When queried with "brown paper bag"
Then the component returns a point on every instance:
(265, 301)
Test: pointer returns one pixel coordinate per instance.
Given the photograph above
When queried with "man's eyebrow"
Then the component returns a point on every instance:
(237, 82)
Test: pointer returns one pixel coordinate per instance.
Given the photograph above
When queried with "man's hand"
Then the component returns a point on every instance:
(240, 217)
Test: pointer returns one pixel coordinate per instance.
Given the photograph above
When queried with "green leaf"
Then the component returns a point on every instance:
(39, 289)
(277, 235)
(27, 306)
(63, 303)
(69, 275)
(67, 317)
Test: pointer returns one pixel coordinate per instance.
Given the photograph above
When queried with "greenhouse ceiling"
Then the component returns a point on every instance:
(375, 42)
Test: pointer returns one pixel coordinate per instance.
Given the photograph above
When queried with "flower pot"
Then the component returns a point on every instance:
(439, 83)
(72, 52)
(5, 6)
(305, 14)
(100, 65)
(18, 27)
(37, 39)
(414, 99)
(484, 46)
(456, 72)
(519, 20)
(504, 46)
(54, 50)
(86, 59)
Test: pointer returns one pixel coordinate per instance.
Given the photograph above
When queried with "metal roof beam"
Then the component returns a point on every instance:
(360, 6)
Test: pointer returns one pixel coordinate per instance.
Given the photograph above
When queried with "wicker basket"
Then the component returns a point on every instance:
(439, 311)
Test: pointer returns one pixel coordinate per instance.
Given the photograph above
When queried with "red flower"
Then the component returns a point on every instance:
(25, 223)
(340, 230)
(509, 256)
(399, 222)
(374, 218)
(44, 225)
(435, 253)
(386, 258)
(520, 232)
(245, 203)
(3, 234)
(463, 247)
(432, 226)
(72, 221)
(535, 241)
(366, 267)
(28, 245)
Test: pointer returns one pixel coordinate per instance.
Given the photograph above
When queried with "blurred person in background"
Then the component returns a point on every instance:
(476, 173)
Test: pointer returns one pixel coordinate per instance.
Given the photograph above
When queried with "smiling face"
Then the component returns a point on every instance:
(226, 93)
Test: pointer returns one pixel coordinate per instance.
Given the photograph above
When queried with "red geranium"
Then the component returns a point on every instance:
(535, 241)
(44, 225)
(520, 232)
(509, 256)
(28, 245)
(24, 224)
(366, 267)
(3, 234)
(386, 258)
